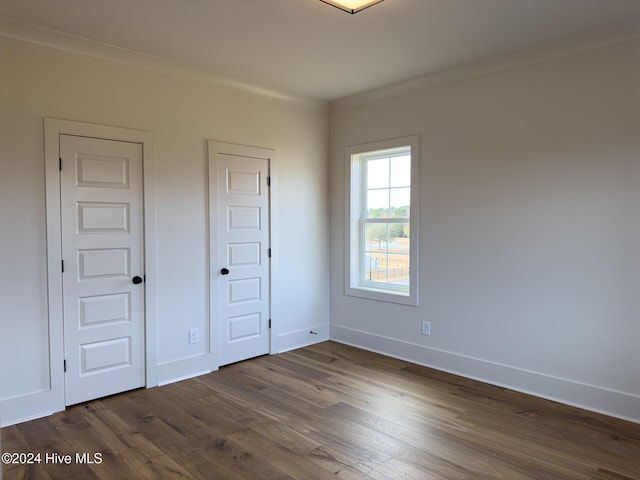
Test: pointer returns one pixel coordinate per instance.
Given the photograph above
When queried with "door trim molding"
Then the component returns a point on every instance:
(214, 147)
(53, 128)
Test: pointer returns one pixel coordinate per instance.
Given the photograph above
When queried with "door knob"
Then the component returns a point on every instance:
(136, 280)
(224, 271)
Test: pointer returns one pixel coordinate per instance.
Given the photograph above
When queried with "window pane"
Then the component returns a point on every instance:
(376, 237)
(400, 171)
(386, 254)
(378, 173)
(399, 237)
(376, 247)
(378, 203)
(372, 271)
(400, 201)
(398, 254)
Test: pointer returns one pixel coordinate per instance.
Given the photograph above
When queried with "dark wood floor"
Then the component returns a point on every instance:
(324, 412)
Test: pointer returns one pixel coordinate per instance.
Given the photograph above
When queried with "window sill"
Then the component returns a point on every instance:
(381, 295)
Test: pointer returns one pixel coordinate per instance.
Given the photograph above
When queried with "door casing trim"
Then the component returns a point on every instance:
(53, 128)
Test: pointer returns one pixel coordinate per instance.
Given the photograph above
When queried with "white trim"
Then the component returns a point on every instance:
(274, 230)
(184, 368)
(303, 337)
(214, 147)
(608, 36)
(53, 399)
(352, 207)
(72, 43)
(598, 399)
(28, 407)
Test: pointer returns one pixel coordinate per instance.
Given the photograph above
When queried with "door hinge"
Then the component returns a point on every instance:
(269, 323)
(60, 163)
(269, 252)
(268, 181)
(65, 366)
(62, 265)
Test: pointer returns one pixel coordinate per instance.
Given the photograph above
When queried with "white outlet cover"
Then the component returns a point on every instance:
(194, 336)
(426, 328)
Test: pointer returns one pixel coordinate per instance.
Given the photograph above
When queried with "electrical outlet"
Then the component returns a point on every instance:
(194, 335)
(426, 327)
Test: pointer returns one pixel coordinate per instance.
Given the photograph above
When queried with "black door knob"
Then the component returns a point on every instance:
(224, 271)
(136, 280)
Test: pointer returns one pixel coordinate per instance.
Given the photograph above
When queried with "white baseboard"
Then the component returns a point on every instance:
(589, 397)
(184, 368)
(302, 338)
(30, 406)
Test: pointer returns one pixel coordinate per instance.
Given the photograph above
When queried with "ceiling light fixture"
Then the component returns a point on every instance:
(351, 6)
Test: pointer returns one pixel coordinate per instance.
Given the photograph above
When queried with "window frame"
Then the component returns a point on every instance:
(355, 250)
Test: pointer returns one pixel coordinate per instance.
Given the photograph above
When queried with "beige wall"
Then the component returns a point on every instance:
(529, 228)
(182, 114)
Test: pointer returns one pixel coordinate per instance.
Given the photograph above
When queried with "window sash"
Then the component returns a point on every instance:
(363, 252)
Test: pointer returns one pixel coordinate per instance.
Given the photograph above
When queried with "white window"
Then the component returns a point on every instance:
(382, 217)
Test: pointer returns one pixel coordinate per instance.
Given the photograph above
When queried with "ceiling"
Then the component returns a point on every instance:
(308, 48)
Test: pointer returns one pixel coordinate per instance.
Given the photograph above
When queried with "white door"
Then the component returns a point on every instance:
(103, 266)
(241, 264)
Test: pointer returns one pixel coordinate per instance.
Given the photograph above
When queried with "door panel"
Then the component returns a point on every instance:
(100, 309)
(102, 243)
(103, 217)
(242, 266)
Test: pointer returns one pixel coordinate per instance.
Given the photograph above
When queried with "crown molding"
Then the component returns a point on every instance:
(574, 45)
(71, 43)
(611, 35)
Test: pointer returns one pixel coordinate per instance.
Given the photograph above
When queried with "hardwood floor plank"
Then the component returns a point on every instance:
(97, 438)
(14, 442)
(603, 474)
(208, 440)
(309, 390)
(514, 458)
(42, 436)
(362, 445)
(342, 462)
(201, 455)
(328, 411)
(283, 459)
(556, 440)
(303, 371)
(426, 453)
(432, 448)
(286, 437)
(390, 383)
(396, 468)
